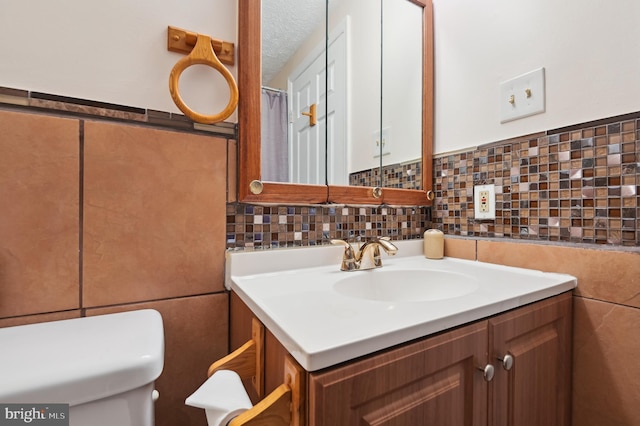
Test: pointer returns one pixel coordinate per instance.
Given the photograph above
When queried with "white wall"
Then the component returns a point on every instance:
(402, 80)
(112, 51)
(115, 51)
(589, 49)
(363, 86)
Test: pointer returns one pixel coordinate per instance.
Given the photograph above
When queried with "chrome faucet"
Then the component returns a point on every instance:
(367, 256)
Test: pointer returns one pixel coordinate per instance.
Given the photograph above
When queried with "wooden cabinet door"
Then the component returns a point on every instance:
(430, 382)
(537, 389)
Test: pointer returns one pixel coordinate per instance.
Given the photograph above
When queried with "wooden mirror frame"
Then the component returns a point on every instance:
(250, 187)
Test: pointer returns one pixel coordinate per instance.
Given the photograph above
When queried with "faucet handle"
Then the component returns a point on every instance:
(387, 245)
(348, 257)
(338, 242)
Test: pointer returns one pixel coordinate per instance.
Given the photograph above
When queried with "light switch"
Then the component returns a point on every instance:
(385, 140)
(522, 96)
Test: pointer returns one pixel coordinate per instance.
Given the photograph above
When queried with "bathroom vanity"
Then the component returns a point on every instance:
(445, 358)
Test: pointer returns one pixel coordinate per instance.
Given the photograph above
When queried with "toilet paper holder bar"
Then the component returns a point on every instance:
(283, 406)
(247, 360)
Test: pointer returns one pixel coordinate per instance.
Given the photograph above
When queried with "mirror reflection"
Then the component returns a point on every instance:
(293, 38)
(402, 94)
(344, 126)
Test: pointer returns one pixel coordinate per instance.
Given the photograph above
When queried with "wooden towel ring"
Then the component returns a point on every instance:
(202, 54)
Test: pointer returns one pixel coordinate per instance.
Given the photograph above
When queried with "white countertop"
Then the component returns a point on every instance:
(292, 291)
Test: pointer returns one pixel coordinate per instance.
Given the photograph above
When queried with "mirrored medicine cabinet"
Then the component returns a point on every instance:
(385, 94)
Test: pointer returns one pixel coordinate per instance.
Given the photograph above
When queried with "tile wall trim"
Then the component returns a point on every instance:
(596, 123)
(568, 244)
(11, 98)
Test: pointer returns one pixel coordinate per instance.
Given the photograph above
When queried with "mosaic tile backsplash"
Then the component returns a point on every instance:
(401, 175)
(577, 184)
(262, 227)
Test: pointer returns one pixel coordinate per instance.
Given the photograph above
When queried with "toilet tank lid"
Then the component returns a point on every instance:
(79, 360)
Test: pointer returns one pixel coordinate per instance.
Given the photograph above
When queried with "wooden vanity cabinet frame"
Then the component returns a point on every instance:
(449, 366)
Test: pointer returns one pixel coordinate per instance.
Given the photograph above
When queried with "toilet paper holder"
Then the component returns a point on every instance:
(284, 405)
(247, 360)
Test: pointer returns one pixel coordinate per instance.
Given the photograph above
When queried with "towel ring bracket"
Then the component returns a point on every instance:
(183, 41)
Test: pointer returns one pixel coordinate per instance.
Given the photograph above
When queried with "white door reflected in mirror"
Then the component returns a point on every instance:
(374, 82)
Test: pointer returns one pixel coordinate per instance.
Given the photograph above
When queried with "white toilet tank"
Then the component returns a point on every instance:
(104, 367)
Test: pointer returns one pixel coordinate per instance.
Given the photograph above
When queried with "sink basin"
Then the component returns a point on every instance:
(406, 285)
(324, 316)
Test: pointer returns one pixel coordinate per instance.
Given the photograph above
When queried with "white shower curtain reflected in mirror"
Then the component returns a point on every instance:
(275, 145)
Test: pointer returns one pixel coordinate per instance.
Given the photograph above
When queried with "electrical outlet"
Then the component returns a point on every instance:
(484, 201)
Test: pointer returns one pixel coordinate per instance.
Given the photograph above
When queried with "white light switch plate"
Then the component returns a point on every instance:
(522, 96)
(386, 142)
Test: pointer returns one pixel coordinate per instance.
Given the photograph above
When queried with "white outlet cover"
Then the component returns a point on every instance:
(491, 214)
(528, 96)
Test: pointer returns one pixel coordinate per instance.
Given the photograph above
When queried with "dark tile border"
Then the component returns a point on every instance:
(22, 99)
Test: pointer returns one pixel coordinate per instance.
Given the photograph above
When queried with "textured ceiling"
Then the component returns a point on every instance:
(285, 25)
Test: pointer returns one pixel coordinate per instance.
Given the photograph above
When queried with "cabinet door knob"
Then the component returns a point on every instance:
(487, 372)
(507, 362)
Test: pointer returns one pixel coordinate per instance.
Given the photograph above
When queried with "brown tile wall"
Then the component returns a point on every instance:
(102, 216)
(165, 191)
(109, 192)
(606, 305)
(39, 234)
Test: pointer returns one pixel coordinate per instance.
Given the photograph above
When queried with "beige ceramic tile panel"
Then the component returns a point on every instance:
(460, 248)
(196, 333)
(39, 219)
(33, 319)
(610, 276)
(232, 167)
(154, 214)
(606, 388)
